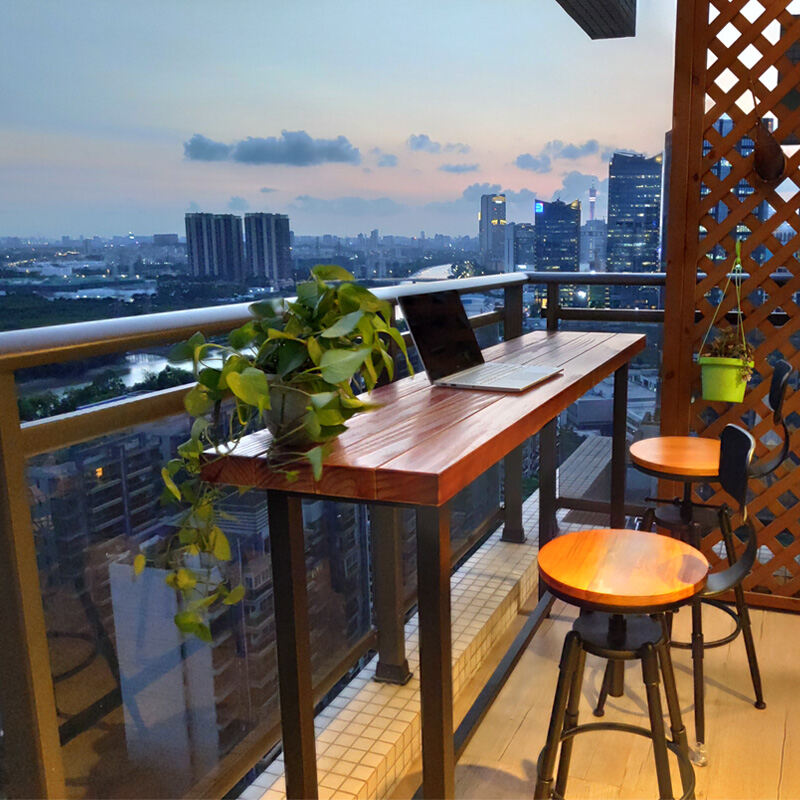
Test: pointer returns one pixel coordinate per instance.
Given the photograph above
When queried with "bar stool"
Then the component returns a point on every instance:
(735, 456)
(696, 459)
(618, 579)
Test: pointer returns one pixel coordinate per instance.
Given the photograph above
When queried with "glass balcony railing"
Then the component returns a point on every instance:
(138, 710)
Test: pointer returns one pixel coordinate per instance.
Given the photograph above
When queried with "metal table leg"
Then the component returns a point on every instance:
(548, 464)
(293, 644)
(618, 447)
(435, 657)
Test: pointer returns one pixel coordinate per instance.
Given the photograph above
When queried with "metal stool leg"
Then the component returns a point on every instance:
(650, 675)
(570, 721)
(749, 644)
(547, 758)
(605, 686)
(675, 722)
(744, 614)
(699, 756)
(647, 520)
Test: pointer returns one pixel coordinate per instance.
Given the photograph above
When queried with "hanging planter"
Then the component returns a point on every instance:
(726, 364)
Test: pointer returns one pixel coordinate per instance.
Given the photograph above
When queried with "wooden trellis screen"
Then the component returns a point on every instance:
(722, 46)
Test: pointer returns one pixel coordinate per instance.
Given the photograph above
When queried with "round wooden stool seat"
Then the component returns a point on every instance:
(687, 458)
(622, 571)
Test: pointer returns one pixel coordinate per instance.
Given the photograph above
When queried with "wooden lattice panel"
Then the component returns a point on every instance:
(741, 45)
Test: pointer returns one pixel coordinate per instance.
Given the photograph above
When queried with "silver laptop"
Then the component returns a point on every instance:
(450, 353)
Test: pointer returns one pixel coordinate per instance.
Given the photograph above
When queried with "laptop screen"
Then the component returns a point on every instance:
(441, 331)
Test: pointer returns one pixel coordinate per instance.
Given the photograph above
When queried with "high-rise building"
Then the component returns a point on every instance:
(215, 246)
(634, 208)
(520, 245)
(594, 234)
(491, 233)
(557, 227)
(269, 251)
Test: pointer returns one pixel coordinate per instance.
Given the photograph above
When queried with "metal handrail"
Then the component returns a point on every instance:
(63, 343)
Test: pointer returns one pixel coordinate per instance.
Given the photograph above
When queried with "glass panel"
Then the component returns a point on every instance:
(144, 712)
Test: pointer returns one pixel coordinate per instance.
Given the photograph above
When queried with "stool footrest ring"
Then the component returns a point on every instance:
(625, 727)
(708, 645)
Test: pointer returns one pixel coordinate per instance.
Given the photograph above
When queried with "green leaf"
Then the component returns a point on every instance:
(314, 457)
(250, 386)
(169, 483)
(187, 621)
(199, 427)
(331, 272)
(321, 399)
(308, 293)
(274, 333)
(184, 351)
(340, 365)
(220, 546)
(234, 596)
(343, 326)
(371, 377)
(389, 362)
(187, 535)
(174, 465)
(311, 424)
(268, 309)
(366, 330)
(330, 416)
(314, 350)
(197, 401)
(203, 632)
(139, 564)
(209, 377)
(241, 337)
(292, 354)
(182, 579)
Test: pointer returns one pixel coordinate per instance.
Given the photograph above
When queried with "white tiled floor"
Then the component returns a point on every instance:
(369, 735)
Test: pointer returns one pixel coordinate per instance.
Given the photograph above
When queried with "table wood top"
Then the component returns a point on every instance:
(622, 569)
(694, 457)
(426, 442)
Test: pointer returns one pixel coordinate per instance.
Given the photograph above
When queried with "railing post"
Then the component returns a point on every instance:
(553, 305)
(32, 751)
(386, 530)
(512, 311)
(513, 530)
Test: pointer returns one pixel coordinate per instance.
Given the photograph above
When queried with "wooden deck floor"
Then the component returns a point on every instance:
(753, 755)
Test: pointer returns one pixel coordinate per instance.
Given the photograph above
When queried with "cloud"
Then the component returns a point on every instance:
(522, 196)
(237, 203)
(533, 163)
(558, 149)
(193, 208)
(387, 160)
(575, 186)
(456, 147)
(348, 206)
(295, 148)
(421, 141)
(266, 190)
(475, 190)
(458, 168)
(567, 151)
(199, 148)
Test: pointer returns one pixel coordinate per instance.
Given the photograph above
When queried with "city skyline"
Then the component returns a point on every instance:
(345, 120)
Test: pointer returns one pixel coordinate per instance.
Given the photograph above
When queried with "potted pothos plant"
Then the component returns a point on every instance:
(726, 363)
(295, 368)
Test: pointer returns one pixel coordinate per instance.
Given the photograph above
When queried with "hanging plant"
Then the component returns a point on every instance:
(295, 369)
(726, 364)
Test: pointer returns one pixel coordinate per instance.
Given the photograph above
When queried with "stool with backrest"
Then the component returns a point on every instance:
(735, 464)
(692, 459)
(623, 582)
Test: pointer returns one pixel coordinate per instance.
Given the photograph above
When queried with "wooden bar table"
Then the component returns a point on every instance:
(423, 446)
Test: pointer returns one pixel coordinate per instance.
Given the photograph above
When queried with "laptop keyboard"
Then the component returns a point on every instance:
(488, 374)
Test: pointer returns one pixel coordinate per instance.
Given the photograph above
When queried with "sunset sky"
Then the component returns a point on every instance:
(348, 116)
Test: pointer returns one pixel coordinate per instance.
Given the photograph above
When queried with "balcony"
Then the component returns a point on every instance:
(493, 590)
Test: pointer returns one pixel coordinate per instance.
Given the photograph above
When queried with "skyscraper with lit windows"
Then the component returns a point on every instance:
(491, 231)
(634, 213)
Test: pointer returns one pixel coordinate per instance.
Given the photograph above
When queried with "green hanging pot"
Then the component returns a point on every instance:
(724, 379)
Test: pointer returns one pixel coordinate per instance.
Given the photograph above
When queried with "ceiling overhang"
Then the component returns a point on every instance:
(603, 19)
